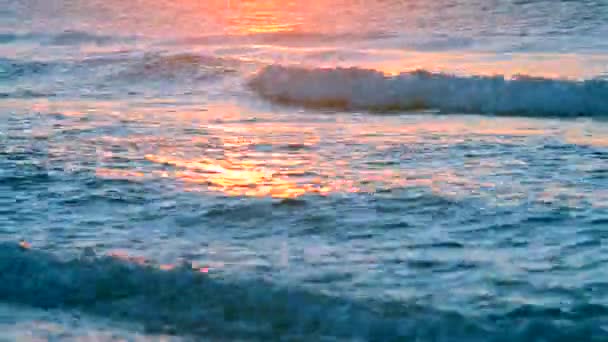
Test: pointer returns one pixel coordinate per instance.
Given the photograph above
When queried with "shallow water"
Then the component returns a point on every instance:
(371, 170)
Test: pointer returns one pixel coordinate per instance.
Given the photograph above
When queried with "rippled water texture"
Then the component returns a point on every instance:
(338, 170)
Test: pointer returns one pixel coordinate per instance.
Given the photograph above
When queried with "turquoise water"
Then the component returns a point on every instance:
(378, 170)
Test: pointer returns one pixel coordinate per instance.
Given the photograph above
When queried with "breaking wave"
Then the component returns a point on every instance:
(363, 89)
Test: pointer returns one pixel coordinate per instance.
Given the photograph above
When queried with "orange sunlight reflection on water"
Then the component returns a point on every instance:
(275, 164)
(288, 159)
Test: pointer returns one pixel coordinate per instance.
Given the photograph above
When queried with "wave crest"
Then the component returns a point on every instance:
(353, 88)
(185, 302)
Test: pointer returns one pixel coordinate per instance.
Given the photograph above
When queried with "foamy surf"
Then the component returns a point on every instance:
(364, 89)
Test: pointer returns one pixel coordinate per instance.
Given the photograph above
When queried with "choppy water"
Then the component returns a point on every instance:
(340, 170)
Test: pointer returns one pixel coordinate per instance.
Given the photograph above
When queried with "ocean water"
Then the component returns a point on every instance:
(303, 170)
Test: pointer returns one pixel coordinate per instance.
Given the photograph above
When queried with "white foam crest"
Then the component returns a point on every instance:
(353, 88)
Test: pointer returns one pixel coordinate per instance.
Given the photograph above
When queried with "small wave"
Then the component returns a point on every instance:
(78, 37)
(62, 38)
(353, 88)
(442, 43)
(25, 94)
(16, 181)
(8, 38)
(126, 67)
(12, 69)
(178, 66)
(282, 38)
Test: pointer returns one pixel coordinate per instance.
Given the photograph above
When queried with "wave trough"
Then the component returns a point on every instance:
(363, 89)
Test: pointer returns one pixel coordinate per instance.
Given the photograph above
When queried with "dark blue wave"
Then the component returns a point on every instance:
(186, 302)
